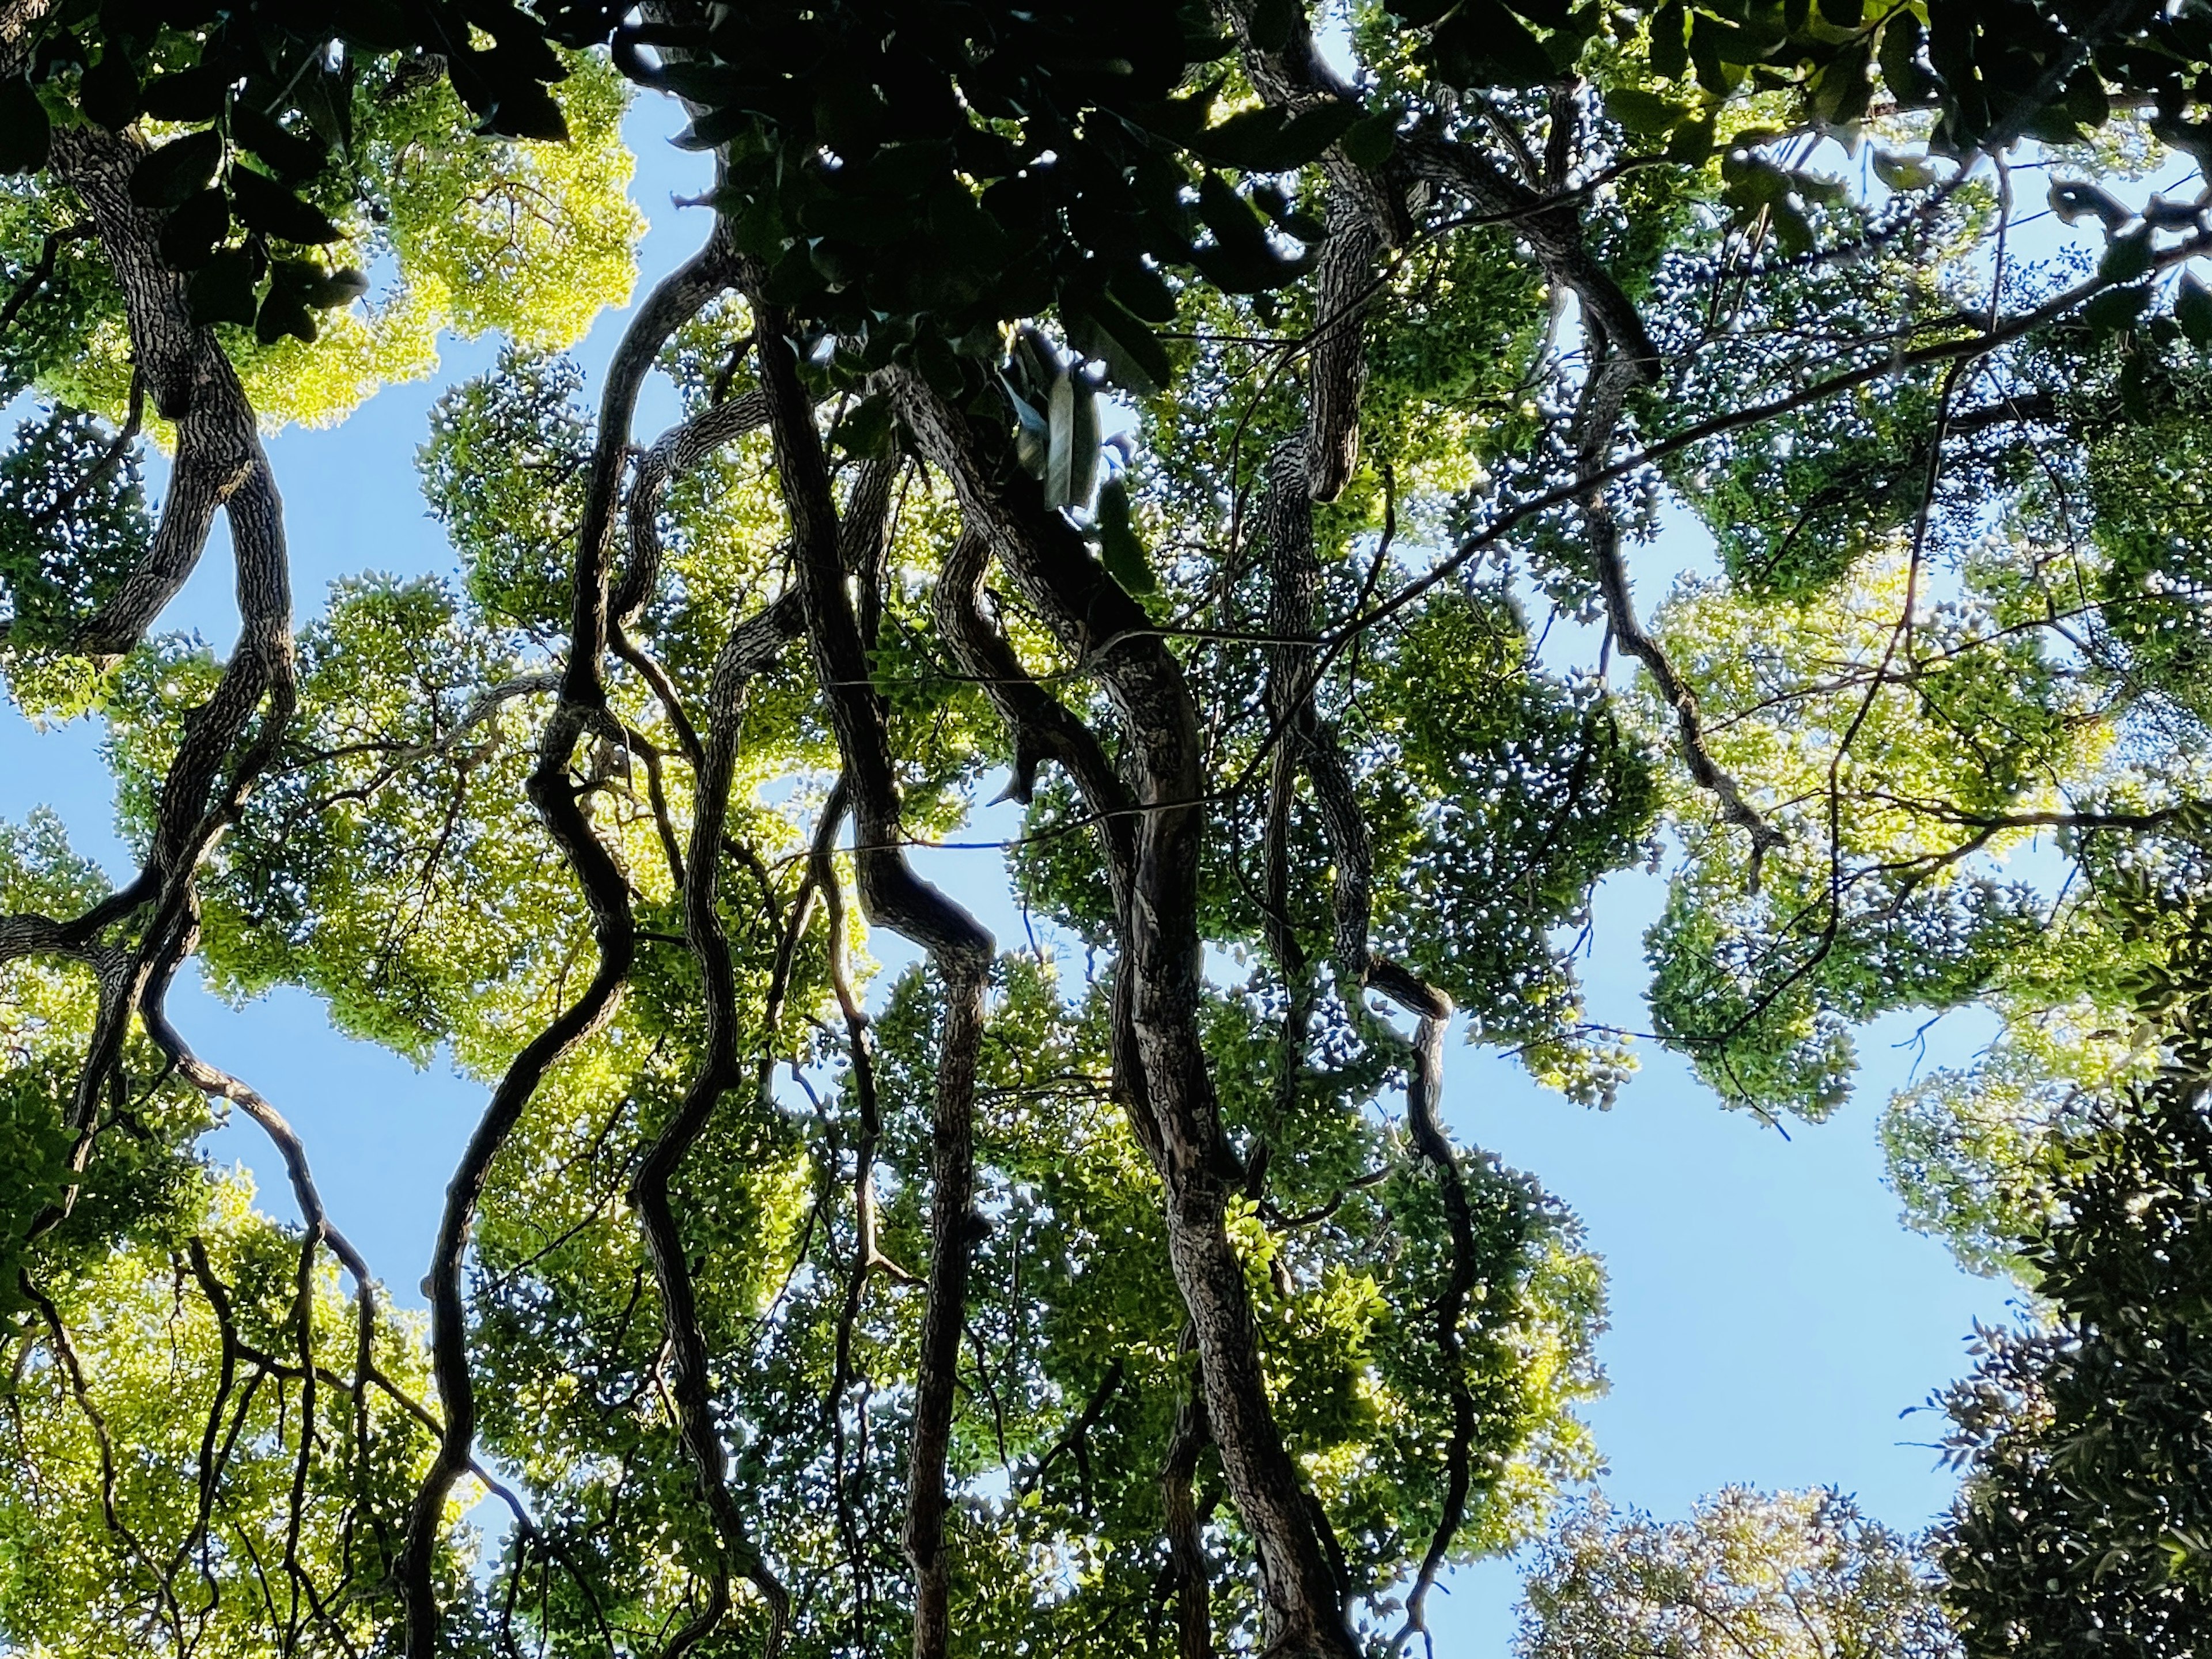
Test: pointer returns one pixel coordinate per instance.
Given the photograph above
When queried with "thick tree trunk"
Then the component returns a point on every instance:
(1160, 1060)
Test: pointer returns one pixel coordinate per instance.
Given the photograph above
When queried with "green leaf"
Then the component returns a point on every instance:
(1670, 48)
(866, 429)
(1841, 90)
(319, 289)
(1483, 45)
(326, 99)
(1792, 230)
(1144, 292)
(1550, 15)
(1367, 142)
(1691, 143)
(222, 290)
(109, 91)
(2126, 257)
(374, 26)
(2115, 309)
(1243, 261)
(1273, 139)
(2054, 124)
(711, 129)
(2087, 100)
(283, 313)
(179, 170)
(192, 232)
(193, 95)
(1032, 432)
(1036, 363)
(56, 53)
(1903, 173)
(1059, 441)
(265, 205)
(1644, 113)
(296, 158)
(2192, 309)
(1899, 55)
(1715, 50)
(1122, 552)
(524, 109)
(1751, 180)
(25, 131)
(1135, 358)
(1273, 23)
(1083, 445)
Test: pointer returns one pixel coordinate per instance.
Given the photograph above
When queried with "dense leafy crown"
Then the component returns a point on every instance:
(1125, 1292)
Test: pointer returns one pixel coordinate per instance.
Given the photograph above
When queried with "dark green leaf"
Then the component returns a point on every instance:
(2087, 100)
(191, 233)
(1123, 553)
(1483, 45)
(524, 109)
(319, 289)
(838, 263)
(1670, 51)
(374, 26)
(25, 130)
(1692, 142)
(1273, 22)
(1716, 51)
(1273, 139)
(1242, 261)
(179, 170)
(326, 99)
(714, 128)
(1840, 91)
(193, 95)
(1368, 142)
(2192, 309)
(265, 205)
(2193, 138)
(2053, 124)
(59, 51)
(109, 91)
(296, 159)
(1544, 13)
(1135, 358)
(866, 429)
(2126, 257)
(1644, 113)
(222, 290)
(1792, 230)
(1901, 57)
(1144, 292)
(2115, 309)
(283, 313)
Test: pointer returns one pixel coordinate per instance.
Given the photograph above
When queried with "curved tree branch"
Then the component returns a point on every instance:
(895, 897)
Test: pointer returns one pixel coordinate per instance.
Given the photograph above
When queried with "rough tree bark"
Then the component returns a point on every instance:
(893, 897)
(1161, 1066)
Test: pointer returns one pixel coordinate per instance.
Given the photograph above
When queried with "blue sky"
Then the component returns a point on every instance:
(1771, 1319)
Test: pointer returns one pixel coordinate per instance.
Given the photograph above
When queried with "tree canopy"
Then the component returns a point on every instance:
(1120, 1289)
